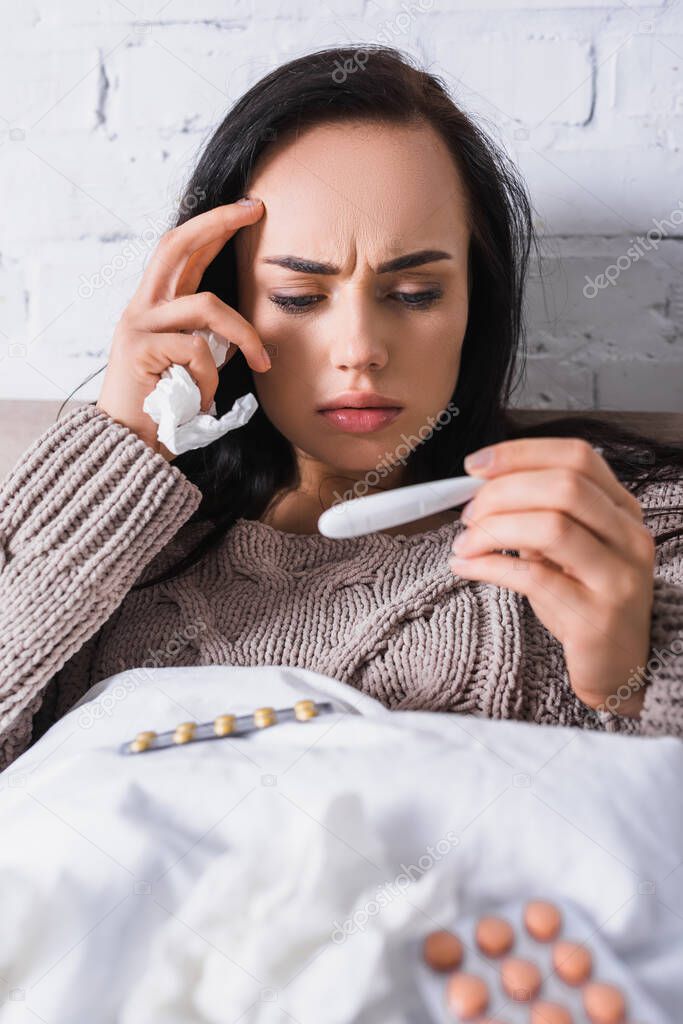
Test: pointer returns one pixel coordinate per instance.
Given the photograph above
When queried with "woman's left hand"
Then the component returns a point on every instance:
(586, 560)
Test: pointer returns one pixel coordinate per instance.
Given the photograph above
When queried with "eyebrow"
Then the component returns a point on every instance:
(410, 259)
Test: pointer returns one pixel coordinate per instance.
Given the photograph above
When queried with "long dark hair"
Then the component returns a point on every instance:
(239, 474)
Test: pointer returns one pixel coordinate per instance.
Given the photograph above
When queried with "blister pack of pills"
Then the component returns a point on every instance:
(529, 962)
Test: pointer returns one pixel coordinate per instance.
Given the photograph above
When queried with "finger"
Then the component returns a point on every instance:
(191, 277)
(566, 491)
(204, 310)
(198, 240)
(554, 595)
(158, 351)
(540, 581)
(527, 555)
(556, 452)
(556, 537)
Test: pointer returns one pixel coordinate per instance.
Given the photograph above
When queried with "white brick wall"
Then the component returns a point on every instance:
(105, 107)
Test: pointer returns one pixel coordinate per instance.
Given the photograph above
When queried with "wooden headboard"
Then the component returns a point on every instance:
(21, 421)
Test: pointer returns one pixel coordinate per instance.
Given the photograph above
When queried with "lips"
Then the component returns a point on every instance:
(360, 420)
(360, 400)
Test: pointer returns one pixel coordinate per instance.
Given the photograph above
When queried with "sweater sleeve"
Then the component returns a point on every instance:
(547, 695)
(662, 711)
(662, 675)
(82, 513)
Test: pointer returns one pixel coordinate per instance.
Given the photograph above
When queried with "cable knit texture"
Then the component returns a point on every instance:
(89, 509)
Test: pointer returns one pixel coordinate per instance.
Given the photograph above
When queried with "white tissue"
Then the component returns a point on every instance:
(175, 404)
(302, 923)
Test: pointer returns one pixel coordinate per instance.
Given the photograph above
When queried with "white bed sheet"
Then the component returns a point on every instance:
(205, 882)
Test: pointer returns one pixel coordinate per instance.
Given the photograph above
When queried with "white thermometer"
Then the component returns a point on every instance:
(399, 505)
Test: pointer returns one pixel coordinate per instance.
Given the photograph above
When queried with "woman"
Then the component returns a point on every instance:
(118, 555)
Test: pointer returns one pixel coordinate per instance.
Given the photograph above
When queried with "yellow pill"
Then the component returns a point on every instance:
(142, 741)
(184, 732)
(224, 724)
(305, 709)
(139, 745)
(263, 717)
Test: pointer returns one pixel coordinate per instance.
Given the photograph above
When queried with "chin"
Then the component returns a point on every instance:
(370, 464)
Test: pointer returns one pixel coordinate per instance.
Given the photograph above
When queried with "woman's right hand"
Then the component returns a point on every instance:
(147, 338)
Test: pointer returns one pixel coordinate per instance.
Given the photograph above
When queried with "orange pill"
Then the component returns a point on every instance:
(543, 920)
(521, 979)
(494, 936)
(550, 1013)
(442, 951)
(467, 995)
(572, 962)
(604, 1003)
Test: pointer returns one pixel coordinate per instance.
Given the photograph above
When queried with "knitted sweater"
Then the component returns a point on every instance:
(90, 509)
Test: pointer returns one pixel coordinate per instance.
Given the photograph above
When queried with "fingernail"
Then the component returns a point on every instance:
(477, 460)
(460, 542)
(266, 359)
(249, 201)
(467, 509)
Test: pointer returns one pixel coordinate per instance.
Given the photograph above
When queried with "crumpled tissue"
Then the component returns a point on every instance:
(305, 925)
(175, 404)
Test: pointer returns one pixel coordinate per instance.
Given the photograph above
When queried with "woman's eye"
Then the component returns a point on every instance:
(295, 303)
(301, 303)
(419, 300)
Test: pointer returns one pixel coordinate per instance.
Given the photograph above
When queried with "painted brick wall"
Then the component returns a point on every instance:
(105, 106)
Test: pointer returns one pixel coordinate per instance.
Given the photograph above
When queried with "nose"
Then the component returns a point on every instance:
(356, 335)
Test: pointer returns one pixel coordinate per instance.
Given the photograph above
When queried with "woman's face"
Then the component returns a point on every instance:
(355, 197)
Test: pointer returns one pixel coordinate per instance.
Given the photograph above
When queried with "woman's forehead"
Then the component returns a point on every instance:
(378, 196)
(359, 168)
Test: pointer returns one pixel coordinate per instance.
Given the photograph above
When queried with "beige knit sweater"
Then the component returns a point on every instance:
(90, 508)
